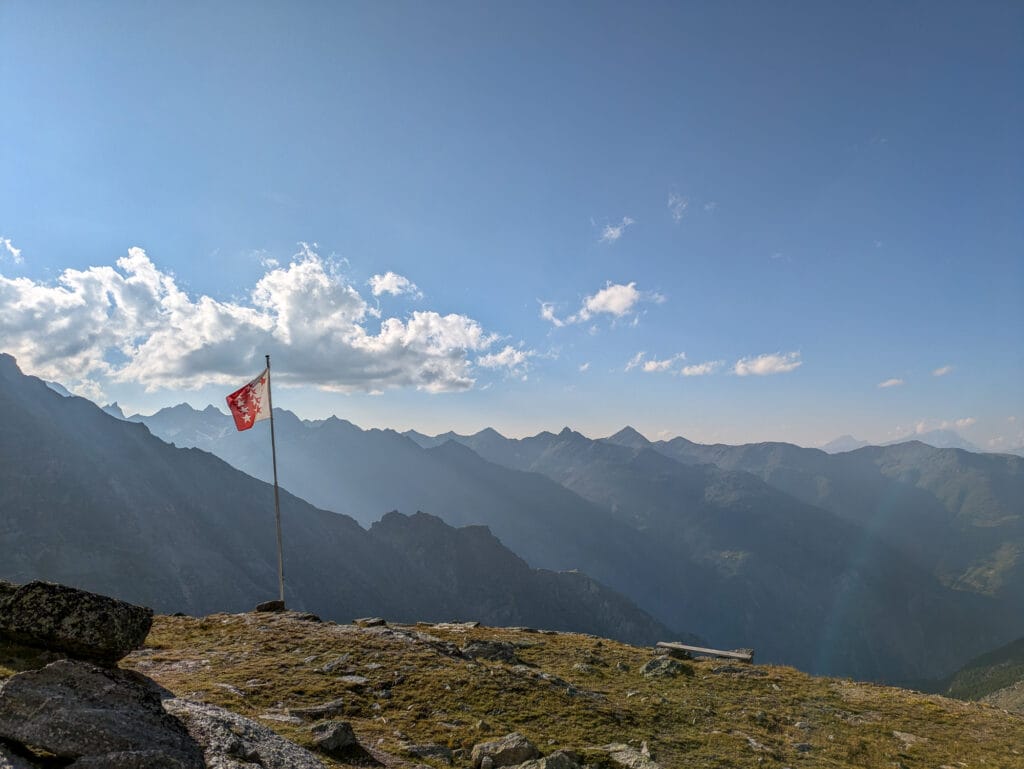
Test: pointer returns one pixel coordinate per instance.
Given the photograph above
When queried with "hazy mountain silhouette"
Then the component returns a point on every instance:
(93, 501)
(939, 439)
(960, 515)
(843, 443)
(719, 552)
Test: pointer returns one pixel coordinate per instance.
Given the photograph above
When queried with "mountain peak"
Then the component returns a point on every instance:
(630, 436)
(114, 409)
(844, 443)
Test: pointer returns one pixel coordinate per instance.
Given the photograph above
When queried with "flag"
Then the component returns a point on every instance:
(249, 404)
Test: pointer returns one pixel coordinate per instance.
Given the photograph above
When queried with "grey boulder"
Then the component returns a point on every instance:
(74, 709)
(662, 667)
(230, 740)
(76, 622)
(510, 750)
(630, 757)
(130, 759)
(334, 737)
(560, 759)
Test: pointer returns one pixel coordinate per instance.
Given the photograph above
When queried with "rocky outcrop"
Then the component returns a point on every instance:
(230, 740)
(76, 622)
(96, 716)
(76, 709)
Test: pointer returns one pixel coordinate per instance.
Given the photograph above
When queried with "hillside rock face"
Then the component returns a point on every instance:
(105, 717)
(76, 622)
(74, 709)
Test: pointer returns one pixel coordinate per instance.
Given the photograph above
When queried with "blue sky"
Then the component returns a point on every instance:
(782, 206)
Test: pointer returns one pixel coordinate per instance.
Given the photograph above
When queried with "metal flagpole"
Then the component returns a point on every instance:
(277, 497)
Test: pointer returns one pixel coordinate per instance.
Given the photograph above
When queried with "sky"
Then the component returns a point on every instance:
(729, 221)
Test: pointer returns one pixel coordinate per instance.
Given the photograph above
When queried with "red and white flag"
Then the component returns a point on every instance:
(250, 404)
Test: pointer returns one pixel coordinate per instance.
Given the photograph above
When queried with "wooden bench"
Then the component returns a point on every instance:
(743, 655)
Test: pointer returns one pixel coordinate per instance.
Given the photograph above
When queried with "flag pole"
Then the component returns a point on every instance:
(277, 496)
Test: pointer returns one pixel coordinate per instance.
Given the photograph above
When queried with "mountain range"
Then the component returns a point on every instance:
(895, 563)
(100, 503)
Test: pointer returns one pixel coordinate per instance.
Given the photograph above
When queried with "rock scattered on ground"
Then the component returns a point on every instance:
(494, 651)
(661, 667)
(560, 759)
(630, 757)
(335, 738)
(510, 750)
(318, 712)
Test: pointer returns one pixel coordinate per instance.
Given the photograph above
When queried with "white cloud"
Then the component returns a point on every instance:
(702, 369)
(965, 422)
(942, 370)
(514, 360)
(677, 206)
(585, 367)
(635, 361)
(394, 284)
(768, 363)
(15, 253)
(612, 232)
(894, 382)
(547, 312)
(132, 323)
(653, 365)
(616, 299)
(711, 206)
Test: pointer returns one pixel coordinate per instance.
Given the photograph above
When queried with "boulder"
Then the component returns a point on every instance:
(317, 712)
(334, 737)
(496, 651)
(230, 740)
(275, 606)
(510, 750)
(370, 622)
(76, 622)
(74, 709)
(661, 667)
(629, 757)
(131, 759)
(11, 760)
(560, 759)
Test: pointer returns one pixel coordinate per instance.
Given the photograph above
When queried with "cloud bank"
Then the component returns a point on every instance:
(132, 323)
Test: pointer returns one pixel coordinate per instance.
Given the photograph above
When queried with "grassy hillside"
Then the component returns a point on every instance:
(413, 687)
(996, 677)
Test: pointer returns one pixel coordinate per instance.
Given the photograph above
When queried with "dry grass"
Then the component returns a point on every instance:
(713, 714)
